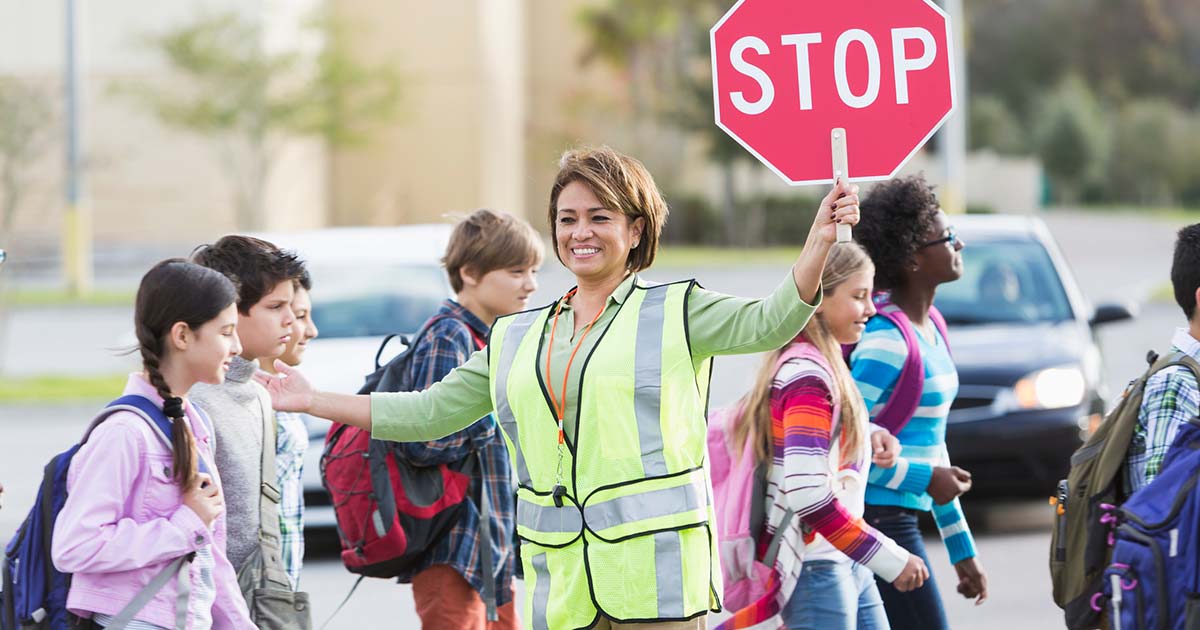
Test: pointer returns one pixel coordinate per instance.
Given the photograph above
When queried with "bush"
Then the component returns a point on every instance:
(1155, 158)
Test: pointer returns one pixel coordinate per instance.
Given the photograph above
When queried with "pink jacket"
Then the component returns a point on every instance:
(124, 520)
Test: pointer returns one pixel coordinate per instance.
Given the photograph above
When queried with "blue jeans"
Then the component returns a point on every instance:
(920, 609)
(835, 596)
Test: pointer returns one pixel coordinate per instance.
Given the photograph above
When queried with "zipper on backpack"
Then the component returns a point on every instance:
(1060, 521)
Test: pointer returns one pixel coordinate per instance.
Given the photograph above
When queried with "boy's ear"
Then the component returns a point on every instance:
(179, 336)
(639, 225)
(469, 276)
(1195, 314)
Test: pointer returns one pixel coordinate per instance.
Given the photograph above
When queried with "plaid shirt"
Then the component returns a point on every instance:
(1171, 399)
(291, 442)
(448, 344)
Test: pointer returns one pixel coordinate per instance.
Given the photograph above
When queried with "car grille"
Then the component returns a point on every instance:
(977, 402)
(970, 402)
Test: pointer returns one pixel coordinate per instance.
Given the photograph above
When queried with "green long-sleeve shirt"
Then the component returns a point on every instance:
(717, 324)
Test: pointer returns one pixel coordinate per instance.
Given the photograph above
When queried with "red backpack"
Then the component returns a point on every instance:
(389, 512)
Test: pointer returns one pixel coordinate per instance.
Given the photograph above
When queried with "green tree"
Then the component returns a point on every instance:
(1070, 137)
(1153, 153)
(248, 101)
(993, 126)
(25, 117)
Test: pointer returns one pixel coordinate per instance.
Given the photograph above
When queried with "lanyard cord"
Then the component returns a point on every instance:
(561, 409)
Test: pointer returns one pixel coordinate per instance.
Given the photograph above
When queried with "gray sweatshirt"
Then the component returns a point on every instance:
(237, 417)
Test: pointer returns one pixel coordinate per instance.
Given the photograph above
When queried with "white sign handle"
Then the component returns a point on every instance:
(840, 169)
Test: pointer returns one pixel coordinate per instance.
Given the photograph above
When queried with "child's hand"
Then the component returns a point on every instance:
(205, 499)
(913, 576)
(885, 448)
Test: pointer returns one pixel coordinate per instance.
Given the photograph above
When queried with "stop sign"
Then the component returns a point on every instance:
(788, 72)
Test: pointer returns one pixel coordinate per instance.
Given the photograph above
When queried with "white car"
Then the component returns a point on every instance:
(367, 283)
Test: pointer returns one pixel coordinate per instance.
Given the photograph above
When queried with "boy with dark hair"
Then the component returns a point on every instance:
(1172, 396)
(244, 422)
(291, 437)
(492, 260)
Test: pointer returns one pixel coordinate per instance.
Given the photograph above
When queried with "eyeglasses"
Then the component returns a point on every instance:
(951, 238)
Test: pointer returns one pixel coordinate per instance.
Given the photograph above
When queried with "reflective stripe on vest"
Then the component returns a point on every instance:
(541, 592)
(647, 375)
(670, 503)
(512, 341)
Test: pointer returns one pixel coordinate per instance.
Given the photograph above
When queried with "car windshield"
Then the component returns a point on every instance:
(1004, 281)
(366, 299)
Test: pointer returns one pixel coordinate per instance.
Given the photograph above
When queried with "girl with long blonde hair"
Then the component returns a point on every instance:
(808, 422)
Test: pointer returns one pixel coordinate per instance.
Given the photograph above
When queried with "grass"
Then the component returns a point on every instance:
(1173, 214)
(56, 389)
(697, 256)
(61, 297)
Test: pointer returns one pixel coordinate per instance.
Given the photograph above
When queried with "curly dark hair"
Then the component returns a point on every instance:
(895, 220)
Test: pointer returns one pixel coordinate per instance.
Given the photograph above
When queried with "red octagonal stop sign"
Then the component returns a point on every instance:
(788, 72)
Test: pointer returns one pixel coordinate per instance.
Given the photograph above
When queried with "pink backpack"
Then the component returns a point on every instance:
(752, 585)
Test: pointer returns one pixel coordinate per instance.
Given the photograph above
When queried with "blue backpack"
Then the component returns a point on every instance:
(34, 593)
(1153, 581)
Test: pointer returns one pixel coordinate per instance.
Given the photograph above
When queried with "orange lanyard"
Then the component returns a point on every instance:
(561, 409)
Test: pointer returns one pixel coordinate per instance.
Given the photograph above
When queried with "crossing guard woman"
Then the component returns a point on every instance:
(602, 396)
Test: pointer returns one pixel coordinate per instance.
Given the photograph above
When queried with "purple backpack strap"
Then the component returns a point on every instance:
(906, 394)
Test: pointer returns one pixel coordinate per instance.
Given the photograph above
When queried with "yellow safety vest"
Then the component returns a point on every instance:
(635, 539)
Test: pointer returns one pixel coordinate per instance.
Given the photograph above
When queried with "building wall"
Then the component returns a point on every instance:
(144, 180)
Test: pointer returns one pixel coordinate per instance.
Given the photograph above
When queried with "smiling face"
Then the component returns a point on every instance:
(940, 262)
(846, 309)
(593, 241)
(206, 351)
(304, 329)
(267, 328)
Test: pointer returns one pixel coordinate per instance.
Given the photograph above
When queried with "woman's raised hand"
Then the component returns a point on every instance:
(289, 390)
(839, 206)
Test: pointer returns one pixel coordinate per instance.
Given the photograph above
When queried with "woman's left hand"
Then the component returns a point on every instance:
(885, 448)
(289, 390)
(839, 206)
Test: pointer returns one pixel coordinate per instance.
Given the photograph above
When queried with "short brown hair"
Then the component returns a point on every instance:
(489, 240)
(622, 184)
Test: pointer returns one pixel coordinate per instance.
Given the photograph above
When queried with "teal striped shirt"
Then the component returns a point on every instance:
(876, 364)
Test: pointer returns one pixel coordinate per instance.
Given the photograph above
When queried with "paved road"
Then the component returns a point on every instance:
(1114, 257)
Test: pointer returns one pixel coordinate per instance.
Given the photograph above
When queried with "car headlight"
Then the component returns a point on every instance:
(1051, 388)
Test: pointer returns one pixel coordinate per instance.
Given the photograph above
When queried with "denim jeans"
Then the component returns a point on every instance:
(835, 596)
(920, 609)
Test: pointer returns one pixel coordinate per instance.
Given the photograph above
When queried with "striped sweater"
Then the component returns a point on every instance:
(876, 364)
(810, 476)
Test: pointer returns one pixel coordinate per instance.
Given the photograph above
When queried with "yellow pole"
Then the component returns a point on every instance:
(77, 220)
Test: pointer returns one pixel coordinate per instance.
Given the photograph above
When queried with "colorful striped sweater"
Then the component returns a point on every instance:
(876, 364)
(829, 504)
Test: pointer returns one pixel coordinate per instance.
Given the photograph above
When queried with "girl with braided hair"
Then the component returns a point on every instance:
(137, 503)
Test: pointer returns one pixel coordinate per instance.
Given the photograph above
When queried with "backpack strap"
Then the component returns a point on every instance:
(269, 537)
(153, 415)
(179, 569)
(906, 393)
